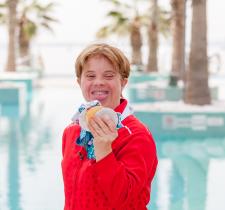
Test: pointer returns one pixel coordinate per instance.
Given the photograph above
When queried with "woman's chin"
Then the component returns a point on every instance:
(102, 100)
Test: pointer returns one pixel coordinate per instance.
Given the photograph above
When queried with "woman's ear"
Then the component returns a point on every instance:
(124, 82)
(78, 81)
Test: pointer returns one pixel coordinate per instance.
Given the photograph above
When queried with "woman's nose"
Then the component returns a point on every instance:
(98, 81)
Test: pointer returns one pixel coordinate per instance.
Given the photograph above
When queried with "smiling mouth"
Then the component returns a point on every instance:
(100, 95)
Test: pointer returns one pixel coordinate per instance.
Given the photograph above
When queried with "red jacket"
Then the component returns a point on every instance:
(120, 181)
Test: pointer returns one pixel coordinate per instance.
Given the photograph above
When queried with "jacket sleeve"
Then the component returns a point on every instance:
(64, 141)
(69, 134)
(124, 175)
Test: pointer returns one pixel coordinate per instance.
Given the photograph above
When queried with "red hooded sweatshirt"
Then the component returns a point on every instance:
(119, 181)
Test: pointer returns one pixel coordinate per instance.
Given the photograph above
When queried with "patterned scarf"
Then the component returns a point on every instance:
(86, 139)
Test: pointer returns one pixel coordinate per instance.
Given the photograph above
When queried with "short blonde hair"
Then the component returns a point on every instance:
(113, 54)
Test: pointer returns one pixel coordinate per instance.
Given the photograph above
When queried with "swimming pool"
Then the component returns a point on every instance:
(190, 175)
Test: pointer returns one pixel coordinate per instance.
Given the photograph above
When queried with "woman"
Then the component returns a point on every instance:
(120, 174)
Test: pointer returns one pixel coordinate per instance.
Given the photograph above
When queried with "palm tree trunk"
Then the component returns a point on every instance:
(178, 36)
(197, 89)
(136, 42)
(152, 64)
(12, 22)
(24, 44)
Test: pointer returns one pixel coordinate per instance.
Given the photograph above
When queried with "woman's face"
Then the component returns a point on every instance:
(100, 81)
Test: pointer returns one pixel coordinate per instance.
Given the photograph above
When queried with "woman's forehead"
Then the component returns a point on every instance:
(97, 57)
(98, 61)
(91, 65)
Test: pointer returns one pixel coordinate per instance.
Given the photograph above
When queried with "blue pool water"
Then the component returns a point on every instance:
(190, 176)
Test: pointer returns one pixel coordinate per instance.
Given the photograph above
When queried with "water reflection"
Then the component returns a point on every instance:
(182, 178)
(10, 136)
(25, 135)
(36, 133)
(13, 167)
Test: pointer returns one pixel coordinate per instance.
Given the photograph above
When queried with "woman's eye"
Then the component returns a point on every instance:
(90, 76)
(109, 76)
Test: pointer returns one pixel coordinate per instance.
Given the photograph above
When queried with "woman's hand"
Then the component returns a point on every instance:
(104, 131)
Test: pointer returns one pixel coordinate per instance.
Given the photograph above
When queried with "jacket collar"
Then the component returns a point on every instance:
(124, 109)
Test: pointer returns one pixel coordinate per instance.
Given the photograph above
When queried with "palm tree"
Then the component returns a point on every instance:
(136, 41)
(33, 16)
(27, 20)
(12, 22)
(152, 64)
(125, 20)
(178, 36)
(158, 21)
(197, 89)
(2, 13)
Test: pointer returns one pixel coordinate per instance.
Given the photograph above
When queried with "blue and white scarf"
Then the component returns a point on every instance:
(86, 138)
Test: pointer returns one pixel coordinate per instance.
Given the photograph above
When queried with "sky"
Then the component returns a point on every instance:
(79, 21)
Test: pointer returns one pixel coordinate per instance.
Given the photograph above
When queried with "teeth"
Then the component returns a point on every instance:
(99, 92)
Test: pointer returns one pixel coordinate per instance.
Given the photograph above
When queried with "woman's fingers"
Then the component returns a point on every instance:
(95, 128)
(110, 123)
(104, 123)
(103, 127)
(100, 123)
